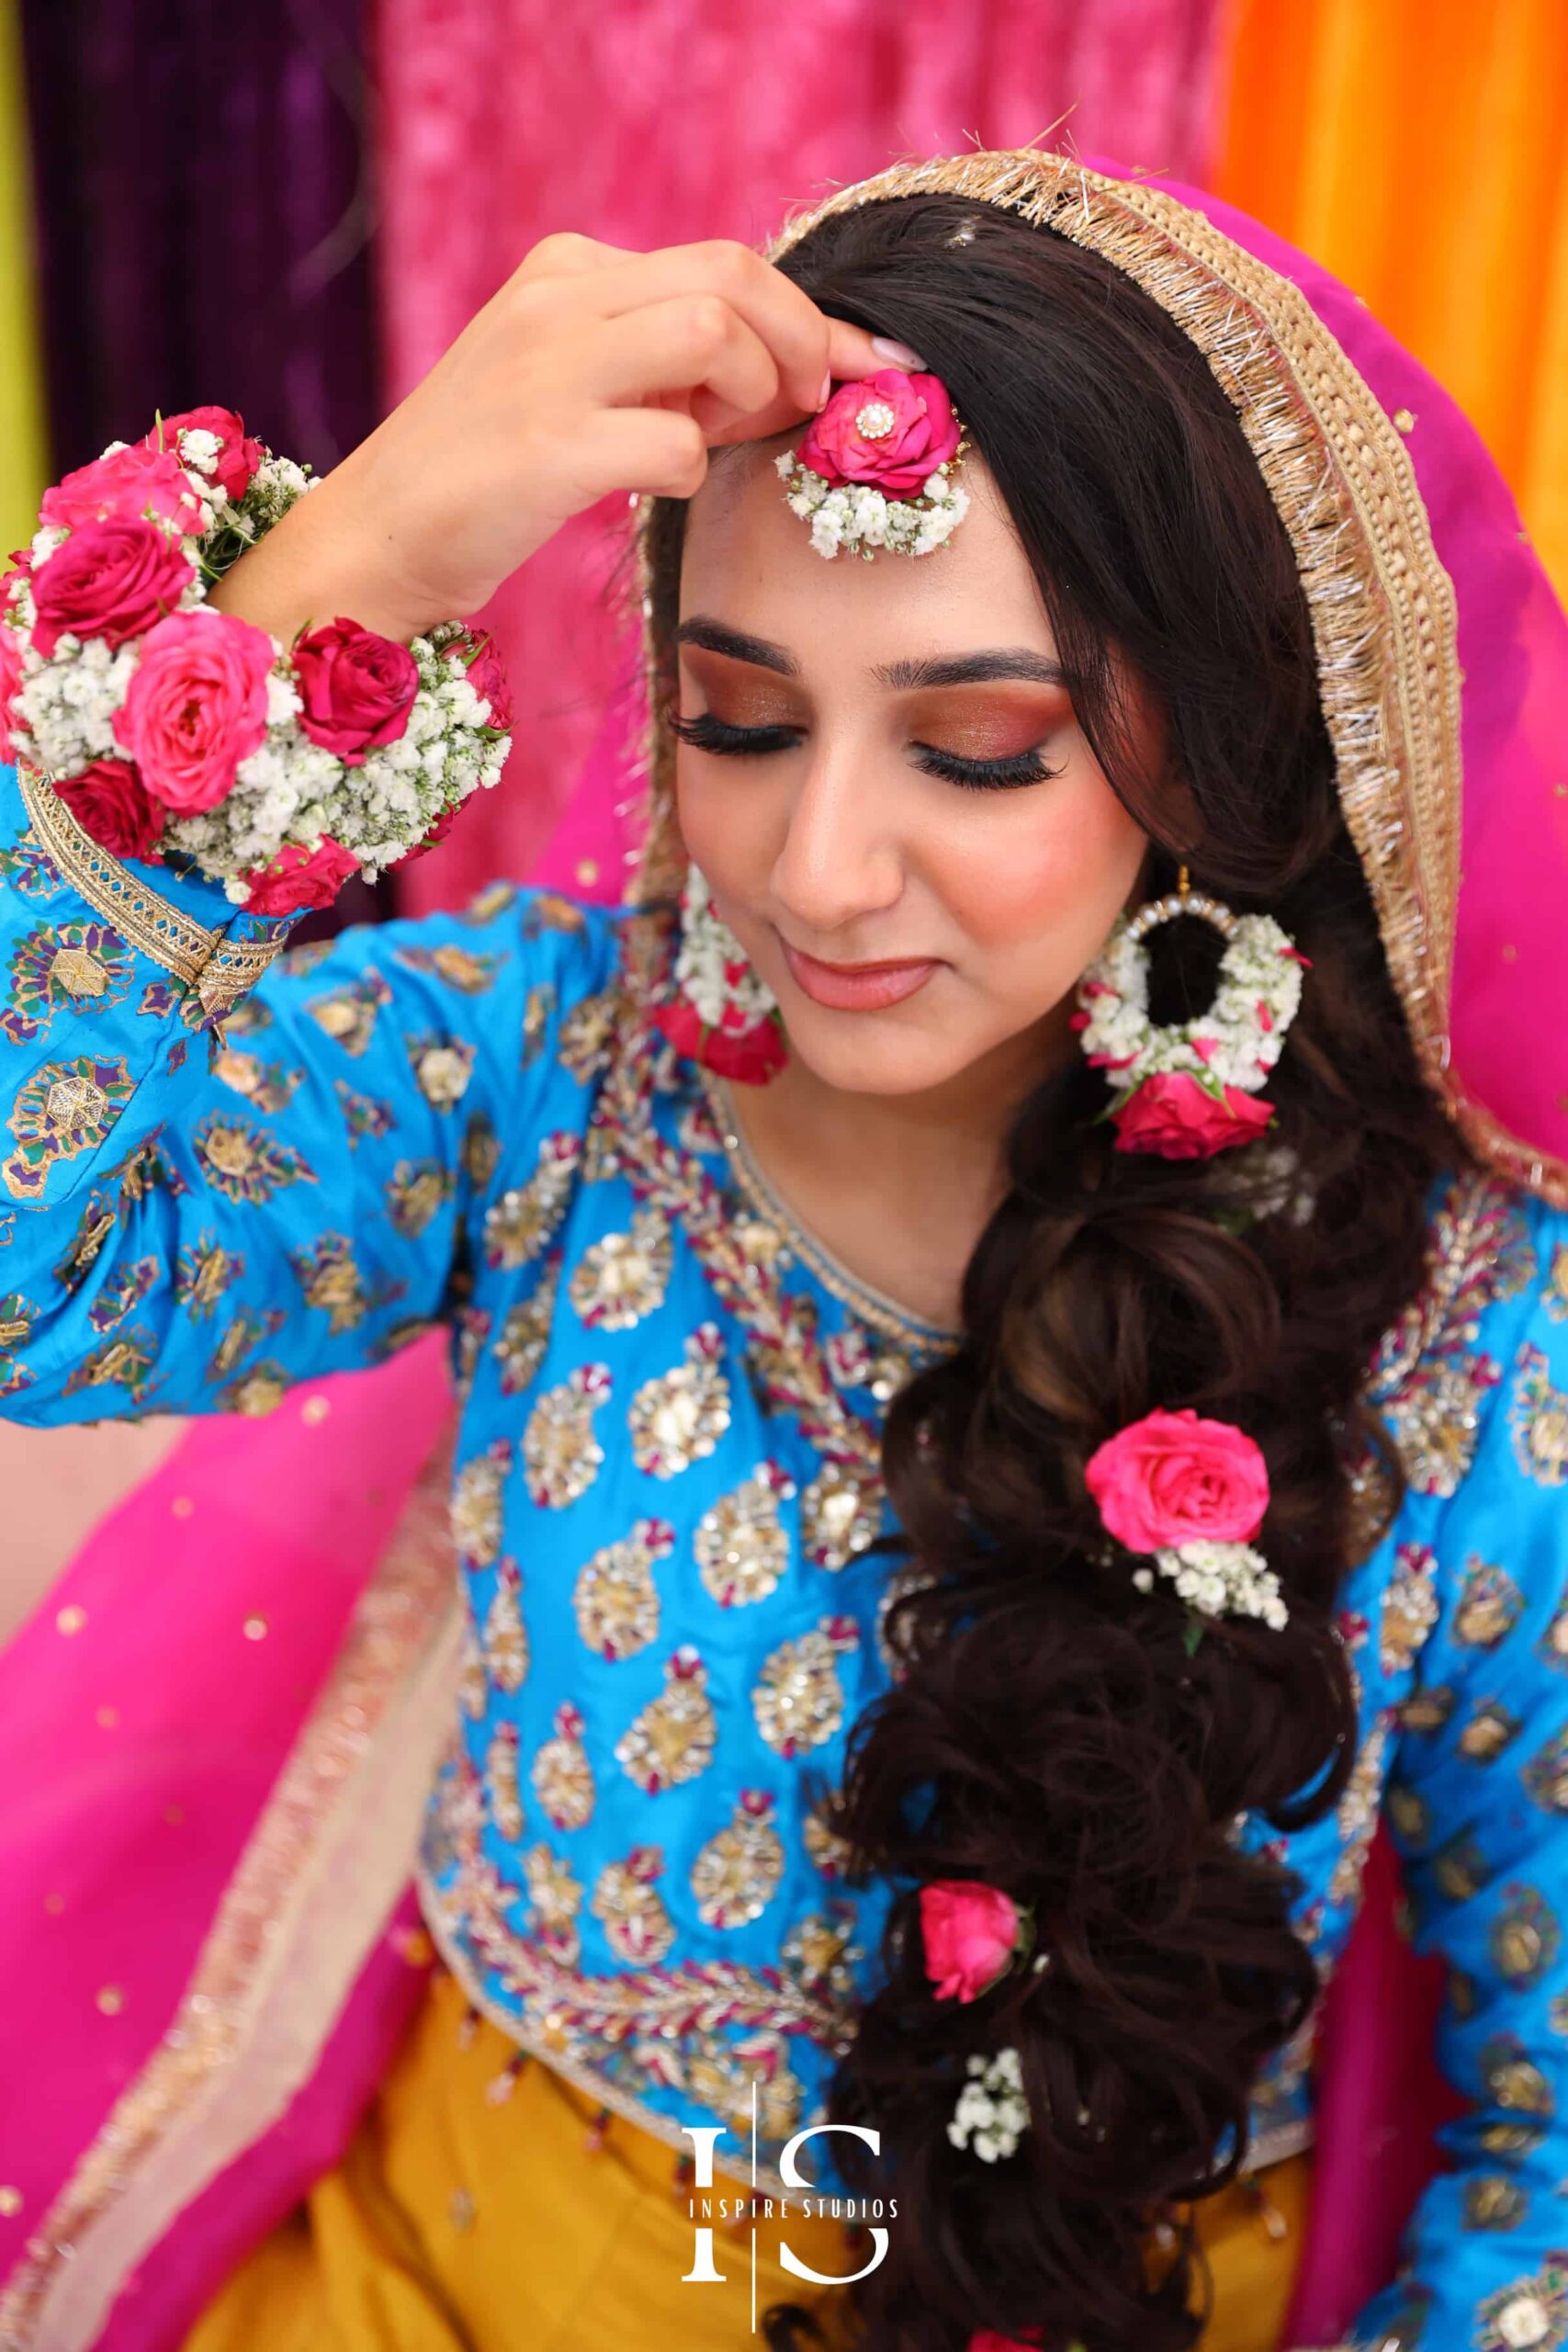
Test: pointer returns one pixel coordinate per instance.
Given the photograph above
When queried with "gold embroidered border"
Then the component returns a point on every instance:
(388, 1697)
(218, 968)
(1343, 480)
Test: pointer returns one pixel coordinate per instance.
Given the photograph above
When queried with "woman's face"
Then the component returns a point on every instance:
(886, 771)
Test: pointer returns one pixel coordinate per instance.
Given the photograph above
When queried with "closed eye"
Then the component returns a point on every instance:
(707, 733)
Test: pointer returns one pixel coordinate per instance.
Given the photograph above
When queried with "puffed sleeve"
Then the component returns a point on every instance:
(193, 1219)
(1477, 1804)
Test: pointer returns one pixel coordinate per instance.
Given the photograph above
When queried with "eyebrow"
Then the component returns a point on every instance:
(987, 668)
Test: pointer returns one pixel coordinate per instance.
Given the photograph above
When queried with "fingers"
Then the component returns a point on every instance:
(642, 449)
(691, 341)
(782, 318)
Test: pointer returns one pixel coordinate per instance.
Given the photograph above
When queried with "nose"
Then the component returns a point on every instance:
(841, 859)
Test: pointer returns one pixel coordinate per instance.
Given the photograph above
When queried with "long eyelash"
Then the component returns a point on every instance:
(710, 734)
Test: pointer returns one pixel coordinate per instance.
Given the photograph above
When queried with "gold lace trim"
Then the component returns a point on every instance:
(1343, 480)
(219, 969)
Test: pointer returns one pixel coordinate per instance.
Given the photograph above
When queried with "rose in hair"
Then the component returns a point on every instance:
(893, 429)
(299, 878)
(238, 454)
(112, 580)
(110, 802)
(195, 706)
(356, 688)
(1177, 1116)
(127, 485)
(1173, 1478)
(970, 1933)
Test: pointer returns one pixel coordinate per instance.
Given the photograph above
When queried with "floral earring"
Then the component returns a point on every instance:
(1186, 1089)
(723, 1014)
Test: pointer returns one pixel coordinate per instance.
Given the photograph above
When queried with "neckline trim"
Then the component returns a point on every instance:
(874, 1307)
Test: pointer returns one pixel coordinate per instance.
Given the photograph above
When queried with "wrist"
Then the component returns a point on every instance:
(316, 564)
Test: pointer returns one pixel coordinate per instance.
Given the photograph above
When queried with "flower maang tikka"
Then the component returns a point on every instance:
(875, 467)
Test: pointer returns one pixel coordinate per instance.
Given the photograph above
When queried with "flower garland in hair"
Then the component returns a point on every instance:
(171, 729)
(1190, 1493)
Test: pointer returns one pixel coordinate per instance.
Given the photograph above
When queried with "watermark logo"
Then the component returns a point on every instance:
(705, 2208)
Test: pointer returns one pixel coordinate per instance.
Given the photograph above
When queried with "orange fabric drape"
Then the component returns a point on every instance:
(1419, 150)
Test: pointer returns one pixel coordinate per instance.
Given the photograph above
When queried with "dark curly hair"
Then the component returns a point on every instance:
(1049, 1731)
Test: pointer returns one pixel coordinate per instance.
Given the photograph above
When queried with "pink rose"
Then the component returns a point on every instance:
(129, 484)
(892, 429)
(488, 679)
(110, 801)
(195, 706)
(1172, 1479)
(1175, 1114)
(986, 2339)
(111, 580)
(300, 878)
(970, 1933)
(356, 688)
(10, 679)
(238, 454)
(753, 1056)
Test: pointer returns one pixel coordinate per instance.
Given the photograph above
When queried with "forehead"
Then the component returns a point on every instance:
(749, 562)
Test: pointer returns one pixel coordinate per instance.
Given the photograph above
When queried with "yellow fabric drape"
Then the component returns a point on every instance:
(23, 446)
(1419, 150)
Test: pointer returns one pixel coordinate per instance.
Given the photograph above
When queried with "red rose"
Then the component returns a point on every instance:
(1175, 1114)
(970, 1933)
(356, 689)
(438, 832)
(195, 706)
(753, 1056)
(986, 2339)
(110, 801)
(1171, 1478)
(488, 677)
(238, 454)
(892, 429)
(127, 484)
(111, 580)
(300, 878)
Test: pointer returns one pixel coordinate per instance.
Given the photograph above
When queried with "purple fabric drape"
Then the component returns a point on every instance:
(203, 211)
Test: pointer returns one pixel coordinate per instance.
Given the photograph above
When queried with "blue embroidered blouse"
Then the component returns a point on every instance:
(666, 1483)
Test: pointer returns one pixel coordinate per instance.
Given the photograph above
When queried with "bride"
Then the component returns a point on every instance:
(1008, 1305)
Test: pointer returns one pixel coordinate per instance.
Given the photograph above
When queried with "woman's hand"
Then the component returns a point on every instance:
(594, 369)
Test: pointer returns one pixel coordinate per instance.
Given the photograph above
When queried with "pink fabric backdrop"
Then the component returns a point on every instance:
(650, 122)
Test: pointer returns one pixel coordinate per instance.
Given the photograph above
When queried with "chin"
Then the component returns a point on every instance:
(844, 1052)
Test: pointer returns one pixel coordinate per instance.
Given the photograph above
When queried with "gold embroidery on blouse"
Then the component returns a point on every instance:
(673, 1737)
(219, 970)
(616, 1600)
(561, 1456)
(563, 1775)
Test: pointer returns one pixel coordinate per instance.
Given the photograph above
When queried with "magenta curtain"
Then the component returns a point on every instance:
(650, 122)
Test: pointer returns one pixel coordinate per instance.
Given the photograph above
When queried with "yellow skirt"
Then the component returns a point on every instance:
(461, 2222)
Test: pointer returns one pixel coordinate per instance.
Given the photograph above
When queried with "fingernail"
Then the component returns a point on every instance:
(827, 386)
(898, 355)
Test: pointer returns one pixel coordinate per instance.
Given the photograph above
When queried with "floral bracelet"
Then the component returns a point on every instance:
(173, 731)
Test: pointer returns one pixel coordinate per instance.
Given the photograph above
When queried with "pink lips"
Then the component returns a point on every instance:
(856, 987)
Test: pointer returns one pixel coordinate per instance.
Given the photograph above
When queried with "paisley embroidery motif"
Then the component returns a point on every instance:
(622, 1278)
(266, 1086)
(18, 1317)
(840, 1513)
(673, 1738)
(477, 1505)
(616, 1598)
(1489, 1605)
(520, 1345)
(442, 1068)
(798, 1700)
(563, 1775)
(506, 1633)
(363, 1115)
(522, 1222)
(127, 1289)
(561, 1454)
(502, 1791)
(737, 1873)
(638, 1928)
(1410, 1607)
(63, 1109)
(679, 1417)
(1537, 1416)
(741, 1543)
(205, 1269)
(347, 1014)
(84, 964)
(417, 1193)
(1525, 1939)
(586, 1035)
